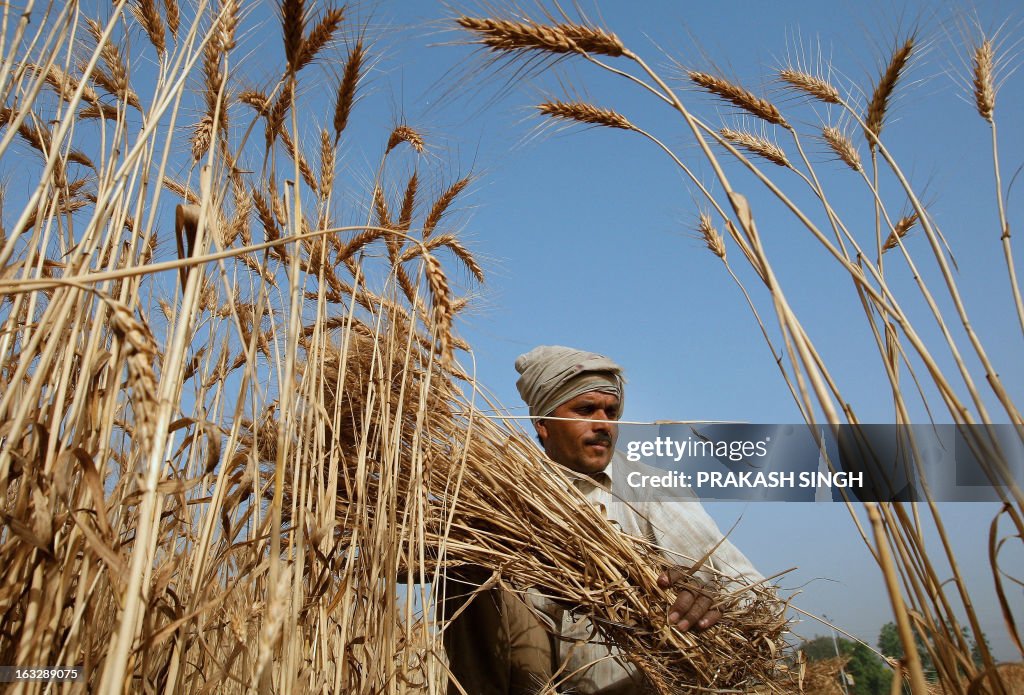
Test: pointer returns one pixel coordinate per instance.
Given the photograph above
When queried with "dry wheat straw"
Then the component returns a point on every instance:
(738, 96)
(368, 461)
(878, 107)
(757, 145)
(582, 112)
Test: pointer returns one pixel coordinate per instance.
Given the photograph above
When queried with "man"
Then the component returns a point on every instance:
(498, 645)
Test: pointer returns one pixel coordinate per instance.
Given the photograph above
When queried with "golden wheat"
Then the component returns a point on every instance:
(738, 96)
(582, 112)
(810, 84)
(760, 146)
(984, 83)
(878, 106)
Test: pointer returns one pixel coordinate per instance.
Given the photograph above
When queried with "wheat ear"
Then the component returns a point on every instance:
(404, 133)
(739, 97)
(984, 84)
(347, 88)
(585, 113)
(507, 35)
(757, 145)
(880, 98)
(842, 146)
(900, 230)
(810, 84)
(712, 237)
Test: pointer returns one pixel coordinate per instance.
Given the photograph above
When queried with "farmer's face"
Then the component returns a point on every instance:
(586, 443)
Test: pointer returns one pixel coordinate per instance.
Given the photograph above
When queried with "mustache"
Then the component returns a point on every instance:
(599, 439)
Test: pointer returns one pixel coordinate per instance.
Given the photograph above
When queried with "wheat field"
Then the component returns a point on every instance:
(242, 445)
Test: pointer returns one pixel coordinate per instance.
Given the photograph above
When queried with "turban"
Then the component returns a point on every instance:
(550, 375)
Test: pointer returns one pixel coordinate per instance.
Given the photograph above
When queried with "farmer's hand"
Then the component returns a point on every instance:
(692, 609)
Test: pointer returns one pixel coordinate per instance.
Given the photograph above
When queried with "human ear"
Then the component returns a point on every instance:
(542, 429)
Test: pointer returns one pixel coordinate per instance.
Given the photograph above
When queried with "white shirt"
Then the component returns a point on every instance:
(680, 526)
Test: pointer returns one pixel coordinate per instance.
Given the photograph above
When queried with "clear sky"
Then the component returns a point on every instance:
(587, 240)
(587, 236)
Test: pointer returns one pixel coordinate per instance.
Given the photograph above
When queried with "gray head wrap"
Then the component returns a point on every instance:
(551, 375)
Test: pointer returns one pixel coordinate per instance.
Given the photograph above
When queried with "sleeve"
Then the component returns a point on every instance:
(686, 532)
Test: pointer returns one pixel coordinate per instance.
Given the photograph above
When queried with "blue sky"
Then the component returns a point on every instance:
(586, 237)
(587, 240)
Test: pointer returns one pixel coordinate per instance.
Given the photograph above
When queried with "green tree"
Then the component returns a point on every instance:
(889, 644)
(870, 674)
